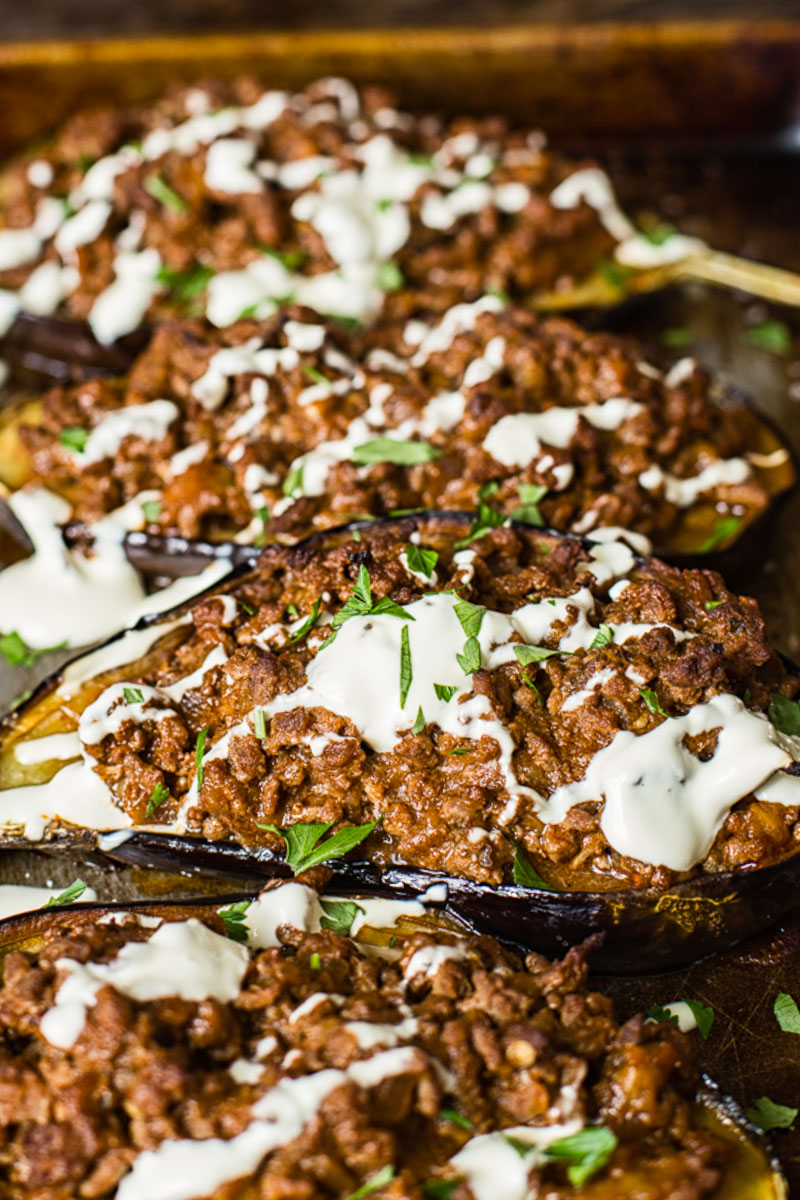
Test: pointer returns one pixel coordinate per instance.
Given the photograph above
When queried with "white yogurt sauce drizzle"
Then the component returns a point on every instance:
(20, 898)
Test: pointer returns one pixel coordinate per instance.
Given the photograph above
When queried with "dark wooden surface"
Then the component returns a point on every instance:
(102, 18)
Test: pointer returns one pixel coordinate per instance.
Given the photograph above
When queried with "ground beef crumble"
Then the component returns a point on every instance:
(524, 1042)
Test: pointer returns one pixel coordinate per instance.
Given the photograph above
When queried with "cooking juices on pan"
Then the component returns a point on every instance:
(268, 431)
(566, 737)
(294, 1043)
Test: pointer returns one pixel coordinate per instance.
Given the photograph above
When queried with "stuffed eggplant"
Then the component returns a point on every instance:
(299, 1045)
(266, 432)
(565, 738)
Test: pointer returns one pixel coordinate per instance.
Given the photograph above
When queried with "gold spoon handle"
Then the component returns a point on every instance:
(770, 283)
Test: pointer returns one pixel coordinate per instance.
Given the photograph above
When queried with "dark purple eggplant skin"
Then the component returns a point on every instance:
(64, 350)
(644, 930)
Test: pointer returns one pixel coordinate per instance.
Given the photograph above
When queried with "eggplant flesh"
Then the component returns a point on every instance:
(644, 929)
(752, 1172)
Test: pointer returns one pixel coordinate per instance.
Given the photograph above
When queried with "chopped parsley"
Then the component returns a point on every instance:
(420, 561)
(586, 1152)
(774, 336)
(604, 635)
(470, 658)
(444, 691)
(69, 895)
(308, 624)
(677, 337)
(259, 723)
(712, 604)
(406, 669)
(132, 695)
(199, 748)
(787, 1012)
(159, 795)
(455, 1118)
(339, 915)
(487, 490)
(651, 700)
(160, 190)
(384, 1176)
(315, 962)
(17, 653)
(151, 510)
(525, 655)
(441, 1189)
(766, 1114)
(186, 285)
(392, 450)
(419, 722)
(291, 259)
(262, 512)
(615, 274)
(460, 750)
(293, 483)
(305, 849)
(470, 617)
(530, 494)
(390, 277)
(360, 604)
(488, 518)
(702, 1013)
(724, 529)
(784, 714)
(233, 918)
(657, 1012)
(659, 234)
(524, 873)
(74, 438)
(292, 611)
(316, 376)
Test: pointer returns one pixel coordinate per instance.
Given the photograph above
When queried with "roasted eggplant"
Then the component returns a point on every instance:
(357, 994)
(268, 431)
(683, 857)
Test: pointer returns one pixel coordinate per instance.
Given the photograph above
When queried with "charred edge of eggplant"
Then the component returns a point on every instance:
(64, 350)
(685, 923)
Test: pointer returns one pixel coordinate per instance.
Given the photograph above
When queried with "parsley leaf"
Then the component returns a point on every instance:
(774, 336)
(293, 483)
(314, 961)
(262, 512)
(723, 531)
(390, 277)
(677, 337)
(657, 1013)
(421, 561)
(455, 1118)
(151, 510)
(160, 190)
(160, 794)
(616, 274)
(384, 1176)
(234, 920)
(132, 695)
(304, 849)
(604, 635)
(586, 1152)
(525, 874)
(406, 670)
(659, 234)
(487, 490)
(522, 1148)
(339, 915)
(316, 376)
(308, 624)
(712, 604)
(651, 700)
(392, 450)
(441, 1189)
(488, 518)
(419, 722)
(17, 653)
(259, 723)
(186, 285)
(766, 1114)
(73, 892)
(199, 748)
(784, 714)
(787, 1013)
(74, 438)
(291, 259)
(470, 617)
(530, 494)
(703, 1015)
(460, 750)
(470, 660)
(360, 604)
(444, 691)
(525, 655)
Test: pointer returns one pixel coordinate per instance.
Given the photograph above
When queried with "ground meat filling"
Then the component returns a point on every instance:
(491, 1042)
(224, 198)
(450, 797)
(269, 421)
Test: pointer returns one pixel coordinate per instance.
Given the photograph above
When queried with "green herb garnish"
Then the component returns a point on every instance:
(392, 450)
(420, 561)
(316, 376)
(200, 746)
(657, 1013)
(774, 336)
(160, 190)
(470, 658)
(262, 512)
(604, 635)
(470, 617)
(525, 655)
(787, 1013)
(455, 1118)
(315, 962)
(460, 750)
(530, 494)
(304, 848)
(151, 510)
(339, 915)
(259, 723)
(524, 873)
(70, 894)
(234, 920)
(406, 670)
(308, 624)
(444, 691)
(159, 795)
(616, 274)
(651, 700)
(419, 722)
(723, 531)
(186, 285)
(712, 604)
(785, 714)
(74, 438)
(17, 653)
(488, 518)
(586, 1152)
(441, 1189)
(677, 337)
(659, 234)
(132, 695)
(384, 1176)
(293, 482)
(390, 277)
(766, 1114)
(291, 259)
(360, 603)
(487, 490)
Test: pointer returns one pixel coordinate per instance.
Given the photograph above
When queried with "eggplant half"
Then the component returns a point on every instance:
(308, 946)
(512, 879)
